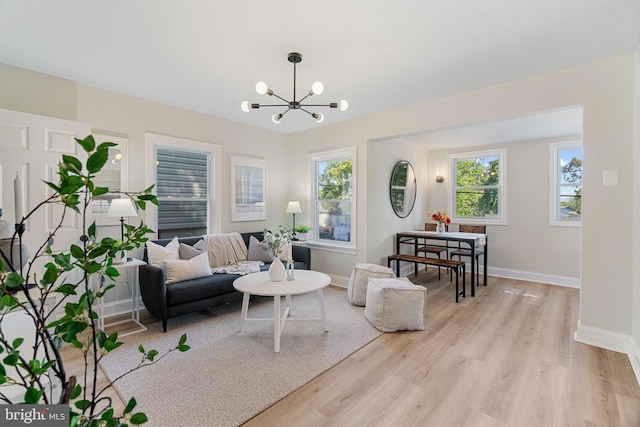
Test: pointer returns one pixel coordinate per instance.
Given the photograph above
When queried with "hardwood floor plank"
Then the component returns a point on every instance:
(504, 358)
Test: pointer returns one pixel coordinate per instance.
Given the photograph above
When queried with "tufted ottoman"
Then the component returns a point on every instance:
(357, 289)
(395, 305)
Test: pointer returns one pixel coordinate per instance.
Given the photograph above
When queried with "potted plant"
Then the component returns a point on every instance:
(302, 231)
(64, 280)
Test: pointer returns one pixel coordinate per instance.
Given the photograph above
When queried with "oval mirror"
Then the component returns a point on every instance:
(403, 188)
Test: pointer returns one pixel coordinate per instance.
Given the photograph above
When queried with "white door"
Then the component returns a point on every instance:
(32, 146)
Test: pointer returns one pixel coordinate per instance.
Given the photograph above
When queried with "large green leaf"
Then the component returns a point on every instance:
(96, 161)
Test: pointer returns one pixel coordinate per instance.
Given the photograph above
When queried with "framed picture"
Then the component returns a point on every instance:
(247, 189)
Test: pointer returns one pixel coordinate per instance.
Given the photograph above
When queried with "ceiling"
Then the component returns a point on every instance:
(206, 56)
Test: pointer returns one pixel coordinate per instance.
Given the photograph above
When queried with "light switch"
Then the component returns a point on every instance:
(610, 178)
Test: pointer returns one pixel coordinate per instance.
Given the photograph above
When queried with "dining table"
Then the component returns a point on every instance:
(475, 241)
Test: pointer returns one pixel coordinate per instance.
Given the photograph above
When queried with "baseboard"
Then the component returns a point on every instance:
(613, 341)
(340, 281)
(603, 338)
(529, 276)
(634, 358)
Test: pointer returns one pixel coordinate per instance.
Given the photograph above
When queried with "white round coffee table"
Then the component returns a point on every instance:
(305, 281)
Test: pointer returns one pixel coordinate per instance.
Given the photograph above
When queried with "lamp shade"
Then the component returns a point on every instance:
(121, 208)
(293, 207)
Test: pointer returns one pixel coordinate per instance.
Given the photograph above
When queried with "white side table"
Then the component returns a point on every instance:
(126, 268)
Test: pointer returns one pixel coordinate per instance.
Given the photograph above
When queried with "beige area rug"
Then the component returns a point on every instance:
(229, 376)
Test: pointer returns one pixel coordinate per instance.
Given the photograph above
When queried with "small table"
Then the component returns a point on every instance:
(135, 300)
(305, 281)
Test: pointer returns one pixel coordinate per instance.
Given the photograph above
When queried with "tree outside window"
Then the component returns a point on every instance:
(333, 197)
(566, 183)
(478, 185)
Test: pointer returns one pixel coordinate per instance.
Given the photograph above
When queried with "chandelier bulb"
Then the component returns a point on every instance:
(343, 105)
(262, 88)
(318, 116)
(276, 118)
(317, 88)
(245, 106)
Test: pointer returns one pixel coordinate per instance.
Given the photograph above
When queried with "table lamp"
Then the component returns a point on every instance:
(121, 208)
(293, 208)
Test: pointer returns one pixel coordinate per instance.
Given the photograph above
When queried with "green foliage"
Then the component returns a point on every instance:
(477, 187)
(302, 228)
(65, 277)
(571, 173)
(335, 180)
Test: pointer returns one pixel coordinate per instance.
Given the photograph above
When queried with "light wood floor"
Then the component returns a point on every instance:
(504, 358)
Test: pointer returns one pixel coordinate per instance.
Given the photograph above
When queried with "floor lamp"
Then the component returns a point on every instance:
(121, 208)
(293, 208)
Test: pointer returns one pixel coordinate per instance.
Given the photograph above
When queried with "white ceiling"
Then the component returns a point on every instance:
(206, 56)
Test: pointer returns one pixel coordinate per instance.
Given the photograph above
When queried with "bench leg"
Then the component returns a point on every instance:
(457, 287)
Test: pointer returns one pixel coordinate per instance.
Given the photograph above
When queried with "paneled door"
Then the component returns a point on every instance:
(32, 146)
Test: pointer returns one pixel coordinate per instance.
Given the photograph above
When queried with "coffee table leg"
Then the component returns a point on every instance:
(323, 313)
(245, 309)
(276, 324)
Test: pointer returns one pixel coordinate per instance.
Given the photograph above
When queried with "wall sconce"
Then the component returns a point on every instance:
(439, 178)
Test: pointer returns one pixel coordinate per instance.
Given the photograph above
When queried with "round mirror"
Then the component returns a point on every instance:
(403, 188)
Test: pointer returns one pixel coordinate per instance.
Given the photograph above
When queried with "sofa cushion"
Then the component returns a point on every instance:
(257, 253)
(187, 291)
(181, 269)
(158, 254)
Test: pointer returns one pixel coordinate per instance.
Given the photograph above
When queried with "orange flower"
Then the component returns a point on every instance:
(439, 217)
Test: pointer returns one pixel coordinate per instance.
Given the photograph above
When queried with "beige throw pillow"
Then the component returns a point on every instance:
(185, 269)
(158, 254)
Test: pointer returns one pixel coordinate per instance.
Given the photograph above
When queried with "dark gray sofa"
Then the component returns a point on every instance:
(188, 296)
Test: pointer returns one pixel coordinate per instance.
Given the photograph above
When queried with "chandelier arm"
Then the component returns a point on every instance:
(280, 98)
(302, 99)
(308, 112)
(319, 105)
(273, 105)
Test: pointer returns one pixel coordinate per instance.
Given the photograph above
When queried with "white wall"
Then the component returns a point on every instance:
(604, 89)
(527, 246)
(635, 359)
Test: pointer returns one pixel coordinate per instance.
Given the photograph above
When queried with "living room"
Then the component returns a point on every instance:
(605, 90)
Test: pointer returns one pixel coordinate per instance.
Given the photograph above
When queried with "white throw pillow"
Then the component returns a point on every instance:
(257, 253)
(185, 269)
(158, 254)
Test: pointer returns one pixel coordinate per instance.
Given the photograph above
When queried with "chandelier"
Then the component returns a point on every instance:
(316, 89)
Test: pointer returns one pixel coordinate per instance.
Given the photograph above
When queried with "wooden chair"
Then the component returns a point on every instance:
(433, 249)
(460, 252)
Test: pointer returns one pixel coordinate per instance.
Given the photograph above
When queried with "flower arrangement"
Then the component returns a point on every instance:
(276, 241)
(440, 217)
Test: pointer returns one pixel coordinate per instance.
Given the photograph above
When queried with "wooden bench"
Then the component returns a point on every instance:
(455, 266)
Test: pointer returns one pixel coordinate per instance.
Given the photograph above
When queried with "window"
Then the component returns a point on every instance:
(566, 183)
(333, 197)
(478, 187)
(183, 175)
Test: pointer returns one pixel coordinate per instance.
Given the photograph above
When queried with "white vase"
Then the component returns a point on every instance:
(277, 271)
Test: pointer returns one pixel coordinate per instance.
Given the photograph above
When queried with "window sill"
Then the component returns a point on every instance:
(351, 250)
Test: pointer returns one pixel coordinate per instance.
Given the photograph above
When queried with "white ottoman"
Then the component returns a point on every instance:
(395, 305)
(357, 290)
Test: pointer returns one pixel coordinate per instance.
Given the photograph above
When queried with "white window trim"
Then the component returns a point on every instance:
(502, 187)
(333, 246)
(152, 141)
(554, 177)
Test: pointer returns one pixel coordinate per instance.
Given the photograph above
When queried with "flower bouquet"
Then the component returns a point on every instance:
(441, 218)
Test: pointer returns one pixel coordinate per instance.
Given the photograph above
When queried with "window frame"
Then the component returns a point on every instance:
(501, 218)
(554, 182)
(214, 210)
(313, 160)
